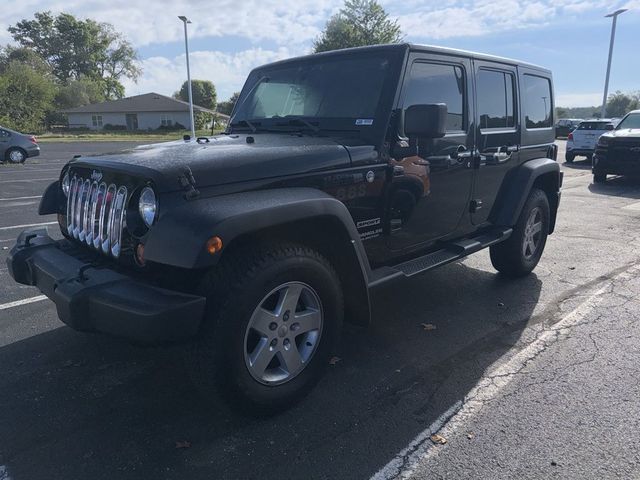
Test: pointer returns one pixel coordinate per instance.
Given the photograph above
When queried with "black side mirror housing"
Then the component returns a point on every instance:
(426, 121)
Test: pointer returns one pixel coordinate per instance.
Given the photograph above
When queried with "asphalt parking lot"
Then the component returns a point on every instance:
(534, 378)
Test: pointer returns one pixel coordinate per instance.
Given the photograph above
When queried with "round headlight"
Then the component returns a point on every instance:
(66, 184)
(148, 206)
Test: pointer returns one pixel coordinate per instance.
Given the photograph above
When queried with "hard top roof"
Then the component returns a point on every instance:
(412, 47)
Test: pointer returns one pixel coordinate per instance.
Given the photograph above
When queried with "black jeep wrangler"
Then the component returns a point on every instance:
(338, 173)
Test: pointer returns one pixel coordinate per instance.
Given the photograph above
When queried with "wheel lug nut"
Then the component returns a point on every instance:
(285, 317)
(286, 343)
(273, 326)
(294, 327)
(274, 342)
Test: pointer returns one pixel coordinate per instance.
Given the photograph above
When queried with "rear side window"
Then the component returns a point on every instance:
(495, 99)
(536, 99)
(593, 125)
(431, 83)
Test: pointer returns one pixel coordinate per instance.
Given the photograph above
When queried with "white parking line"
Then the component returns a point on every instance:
(28, 225)
(24, 301)
(19, 198)
(404, 464)
(28, 180)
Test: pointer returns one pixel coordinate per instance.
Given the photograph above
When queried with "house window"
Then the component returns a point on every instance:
(166, 120)
(96, 120)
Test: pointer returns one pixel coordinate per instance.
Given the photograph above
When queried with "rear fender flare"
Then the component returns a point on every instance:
(517, 185)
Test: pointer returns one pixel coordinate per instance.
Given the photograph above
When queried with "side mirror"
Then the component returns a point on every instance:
(426, 121)
(608, 126)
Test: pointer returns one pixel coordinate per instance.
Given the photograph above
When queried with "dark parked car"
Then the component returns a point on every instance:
(618, 151)
(16, 147)
(566, 125)
(339, 173)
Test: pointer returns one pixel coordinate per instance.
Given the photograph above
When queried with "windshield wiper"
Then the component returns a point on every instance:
(298, 121)
(247, 123)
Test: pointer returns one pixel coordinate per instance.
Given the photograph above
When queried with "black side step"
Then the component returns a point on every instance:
(448, 253)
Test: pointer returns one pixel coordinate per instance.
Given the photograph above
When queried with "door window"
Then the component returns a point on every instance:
(537, 102)
(496, 99)
(431, 83)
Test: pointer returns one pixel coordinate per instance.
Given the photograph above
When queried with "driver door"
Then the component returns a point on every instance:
(430, 191)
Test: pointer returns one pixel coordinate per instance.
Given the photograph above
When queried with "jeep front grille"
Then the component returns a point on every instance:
(95, 214)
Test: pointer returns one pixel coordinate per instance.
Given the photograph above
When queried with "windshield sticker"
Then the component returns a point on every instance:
(364, 121)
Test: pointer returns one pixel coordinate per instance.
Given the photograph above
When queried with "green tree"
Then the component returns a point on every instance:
(226, 107)
(25, 97)
(75, 49)
(618, 104)
(77, 93)
(204, 93)
(23, 55)
(359, 23)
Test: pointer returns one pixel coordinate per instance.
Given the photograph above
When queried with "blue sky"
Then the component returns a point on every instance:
(229, 37)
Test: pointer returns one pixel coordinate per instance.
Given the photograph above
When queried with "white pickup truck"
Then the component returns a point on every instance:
(582, 141)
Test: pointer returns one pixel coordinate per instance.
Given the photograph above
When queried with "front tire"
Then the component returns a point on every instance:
(569, 157)
(273, 318)
(520, 254)
(16, 155)
(599, 177)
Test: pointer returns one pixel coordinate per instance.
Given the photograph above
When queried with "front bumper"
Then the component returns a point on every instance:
(607, 163)
(91, 297)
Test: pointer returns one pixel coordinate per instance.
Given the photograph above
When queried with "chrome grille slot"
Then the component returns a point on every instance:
(96, 214)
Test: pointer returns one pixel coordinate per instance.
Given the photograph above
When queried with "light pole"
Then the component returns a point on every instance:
(185, 20)
(615, 14)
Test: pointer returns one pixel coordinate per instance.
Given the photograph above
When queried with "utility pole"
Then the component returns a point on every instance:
(614, 15)
(185, 20)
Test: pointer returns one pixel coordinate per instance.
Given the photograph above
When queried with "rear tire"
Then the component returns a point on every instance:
(599, 177)
(569, 157)
(520, 254)
(255, 348)
(16, 155)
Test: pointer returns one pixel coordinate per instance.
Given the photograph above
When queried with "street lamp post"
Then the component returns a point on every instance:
(185, 20)
(615, 14)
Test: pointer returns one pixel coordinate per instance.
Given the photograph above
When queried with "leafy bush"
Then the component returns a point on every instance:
(171, 128)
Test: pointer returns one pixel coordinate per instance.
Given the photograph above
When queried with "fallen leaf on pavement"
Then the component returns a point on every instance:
(500, 305)
(438, 439)
(428, 326)
(470, 435)
(183, 444)
(334, 360)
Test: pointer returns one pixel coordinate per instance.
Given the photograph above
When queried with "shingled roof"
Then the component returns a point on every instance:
(147, 102)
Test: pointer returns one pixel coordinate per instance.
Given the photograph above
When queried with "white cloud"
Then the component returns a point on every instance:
(450, 19)
(147, 21)
(227, 71)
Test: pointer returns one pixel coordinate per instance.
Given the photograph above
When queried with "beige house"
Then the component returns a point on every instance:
(148, 111)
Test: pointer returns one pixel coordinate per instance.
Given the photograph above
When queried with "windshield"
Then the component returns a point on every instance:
(332, 88)
(630, 121)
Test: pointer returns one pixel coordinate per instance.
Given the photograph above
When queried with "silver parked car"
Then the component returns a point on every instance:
(16, 147)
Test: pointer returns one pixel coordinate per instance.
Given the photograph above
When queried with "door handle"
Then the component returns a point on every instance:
(504, 153)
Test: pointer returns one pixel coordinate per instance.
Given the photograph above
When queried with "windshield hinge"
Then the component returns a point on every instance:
(188, 184)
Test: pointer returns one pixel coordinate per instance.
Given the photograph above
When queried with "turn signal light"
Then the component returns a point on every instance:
(214, 245)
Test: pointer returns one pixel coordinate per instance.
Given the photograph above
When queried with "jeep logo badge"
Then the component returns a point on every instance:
(96, 176)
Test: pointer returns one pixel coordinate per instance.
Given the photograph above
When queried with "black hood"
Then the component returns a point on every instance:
(224, 159)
